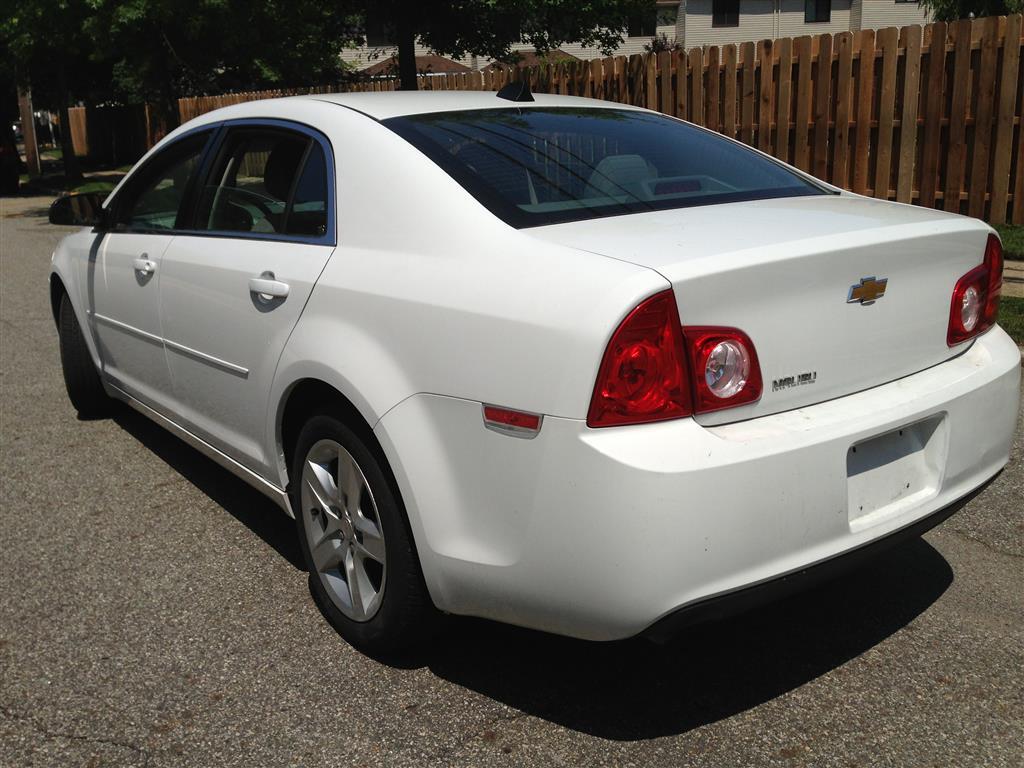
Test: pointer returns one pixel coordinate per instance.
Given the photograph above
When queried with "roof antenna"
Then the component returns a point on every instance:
(519, 91)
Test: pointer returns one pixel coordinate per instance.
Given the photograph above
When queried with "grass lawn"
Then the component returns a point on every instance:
(1013, 241)
(1011, 317)
(94, 186)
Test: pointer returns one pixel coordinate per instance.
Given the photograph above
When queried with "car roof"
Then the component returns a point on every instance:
(386, 104)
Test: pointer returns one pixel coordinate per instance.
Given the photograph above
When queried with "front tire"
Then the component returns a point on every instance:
(82, 381)
(356, 542)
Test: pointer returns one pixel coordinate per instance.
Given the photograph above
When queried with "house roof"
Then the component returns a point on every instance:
(431, 64)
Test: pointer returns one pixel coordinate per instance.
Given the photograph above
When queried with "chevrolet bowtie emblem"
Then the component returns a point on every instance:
(867, 291)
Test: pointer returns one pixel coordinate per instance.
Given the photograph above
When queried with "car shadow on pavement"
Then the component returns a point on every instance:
(247, 505)
(635, 689)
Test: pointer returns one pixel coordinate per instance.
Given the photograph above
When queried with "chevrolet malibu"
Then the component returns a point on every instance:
(567, 364)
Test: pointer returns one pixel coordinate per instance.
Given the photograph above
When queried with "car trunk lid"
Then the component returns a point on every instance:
(783, 271)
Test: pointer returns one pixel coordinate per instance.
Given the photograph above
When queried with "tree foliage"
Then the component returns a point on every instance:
(491, 27)
(951, 10)
(160, 49)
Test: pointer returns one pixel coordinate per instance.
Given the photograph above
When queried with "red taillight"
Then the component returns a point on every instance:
(643, 374)
(655, 369)
(975, 304)
(725, 369)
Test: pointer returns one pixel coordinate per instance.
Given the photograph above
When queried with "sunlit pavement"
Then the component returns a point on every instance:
(152, 613)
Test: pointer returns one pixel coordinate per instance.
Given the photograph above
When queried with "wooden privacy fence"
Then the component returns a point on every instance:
(116, 134)
(928, 115)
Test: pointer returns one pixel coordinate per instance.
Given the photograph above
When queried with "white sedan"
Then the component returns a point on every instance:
(562, 363)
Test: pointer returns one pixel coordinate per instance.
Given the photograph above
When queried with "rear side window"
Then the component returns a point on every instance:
(535, 166)
(266, 182)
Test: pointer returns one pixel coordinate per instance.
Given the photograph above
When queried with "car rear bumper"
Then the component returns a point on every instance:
(603, 533)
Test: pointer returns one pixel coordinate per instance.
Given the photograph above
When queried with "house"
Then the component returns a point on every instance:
(717, 22)
(427, 64)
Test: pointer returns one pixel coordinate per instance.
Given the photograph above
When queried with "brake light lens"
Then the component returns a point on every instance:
(726, 370)
(655, 369)
(643, 375)
(975, 305)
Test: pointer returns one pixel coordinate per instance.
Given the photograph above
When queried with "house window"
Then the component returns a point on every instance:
(644, 23)
(725, 13)
(817, 11)
(668, 14)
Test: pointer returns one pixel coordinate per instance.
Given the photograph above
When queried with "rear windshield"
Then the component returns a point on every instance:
(535, 166)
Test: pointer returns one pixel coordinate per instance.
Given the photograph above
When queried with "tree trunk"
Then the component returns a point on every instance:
(72, 171)
(406, 54)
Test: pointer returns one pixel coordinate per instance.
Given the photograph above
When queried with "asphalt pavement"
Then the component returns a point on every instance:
(153, 613)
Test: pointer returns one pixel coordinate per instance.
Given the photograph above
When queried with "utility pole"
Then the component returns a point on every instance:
(28, 131)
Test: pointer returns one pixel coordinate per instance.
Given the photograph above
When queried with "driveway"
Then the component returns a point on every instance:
(153, 613)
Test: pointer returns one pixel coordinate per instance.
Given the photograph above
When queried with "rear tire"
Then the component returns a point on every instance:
(85, 391)
(356, 542)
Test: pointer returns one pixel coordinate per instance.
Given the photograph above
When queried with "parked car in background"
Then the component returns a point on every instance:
(571, 365)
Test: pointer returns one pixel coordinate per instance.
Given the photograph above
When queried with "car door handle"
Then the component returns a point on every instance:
(144, 266)
(265, 286)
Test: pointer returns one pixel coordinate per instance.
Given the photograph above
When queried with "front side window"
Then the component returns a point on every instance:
(251, 182)
(537, 166)
(817, 11)
(153, 199)
(725, 13)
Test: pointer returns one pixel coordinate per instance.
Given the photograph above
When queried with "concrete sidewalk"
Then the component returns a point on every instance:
(1013, 279)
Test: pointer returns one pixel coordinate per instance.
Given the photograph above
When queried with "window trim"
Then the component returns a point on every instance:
(210, 152)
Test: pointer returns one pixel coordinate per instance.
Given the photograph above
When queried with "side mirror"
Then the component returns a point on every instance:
(83, 210)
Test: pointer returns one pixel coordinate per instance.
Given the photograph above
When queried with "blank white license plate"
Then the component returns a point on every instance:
(890, 473)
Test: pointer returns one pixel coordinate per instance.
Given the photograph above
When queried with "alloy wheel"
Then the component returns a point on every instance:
(343, 530)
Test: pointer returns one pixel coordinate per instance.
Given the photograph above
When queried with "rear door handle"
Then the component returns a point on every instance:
(267, 287)
(144, 266)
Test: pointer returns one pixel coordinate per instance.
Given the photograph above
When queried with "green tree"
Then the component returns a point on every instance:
(951, 10)
(161, 50)
(490, 27)
(44, 45)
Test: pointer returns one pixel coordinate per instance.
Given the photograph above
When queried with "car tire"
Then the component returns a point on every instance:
(85, 391)
(356, 541)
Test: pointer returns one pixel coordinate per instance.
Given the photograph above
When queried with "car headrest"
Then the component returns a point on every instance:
(617, 175)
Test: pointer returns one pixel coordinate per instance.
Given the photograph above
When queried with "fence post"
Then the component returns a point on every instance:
(748, 93)
(1002, 154)
(888, 42)
(801, 145)
(908, 118)
(729, 98)
(956, 150)
(862, 137)
(982, 143)
(822, 106)
(766, 56)
(28, 131)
